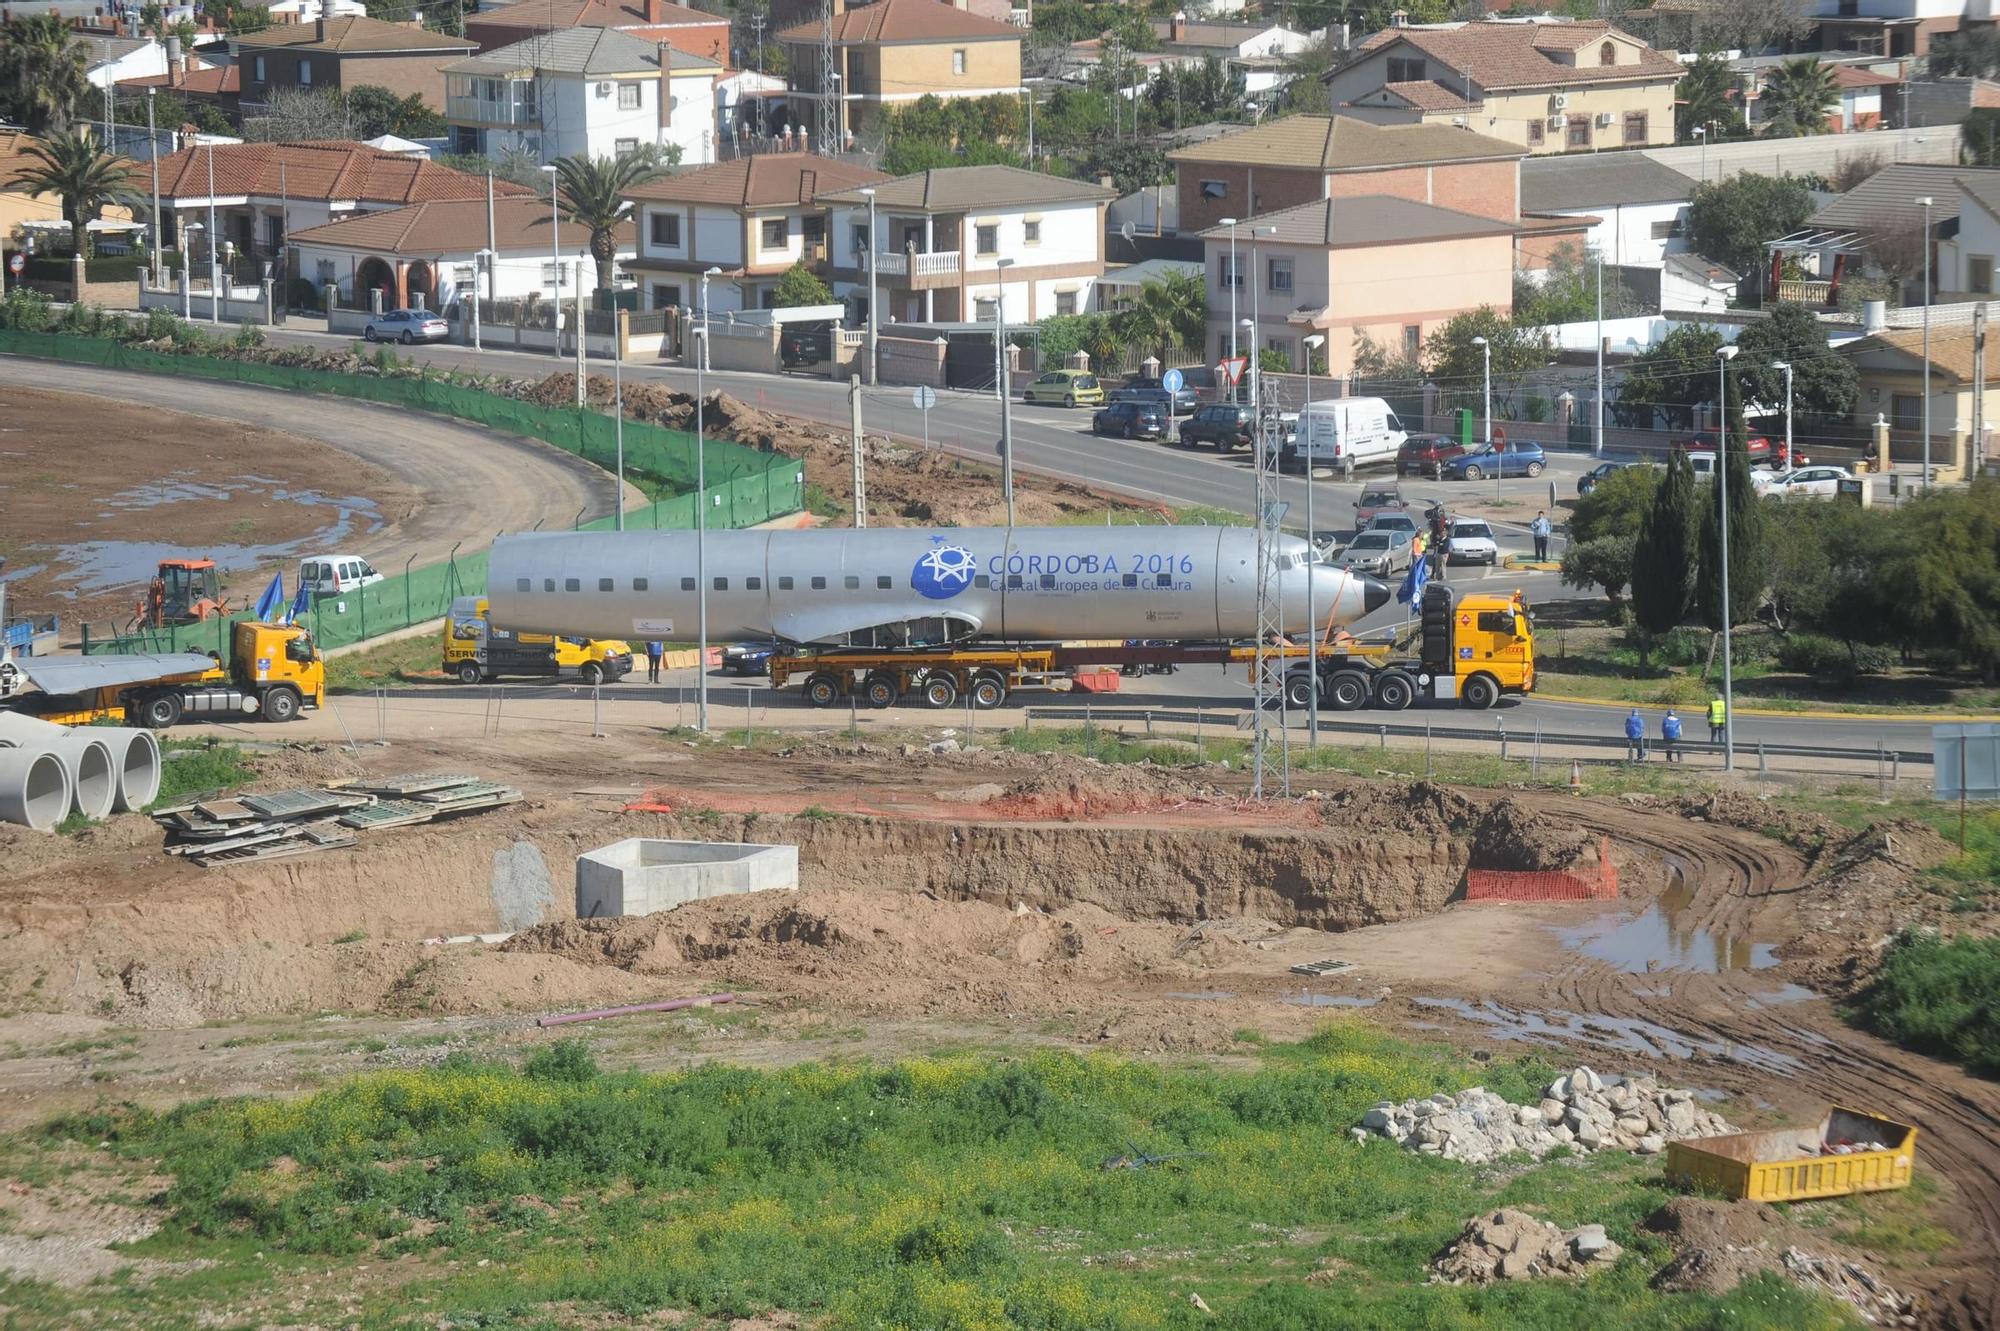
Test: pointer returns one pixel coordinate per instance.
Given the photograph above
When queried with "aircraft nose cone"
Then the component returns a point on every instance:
(1374, 595)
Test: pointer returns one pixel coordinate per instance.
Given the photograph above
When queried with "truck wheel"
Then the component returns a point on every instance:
(821, 690)
(881, 689)
(1298, 689)
(160, 711)
(940, 691)
(592, 673)
(468, 672)
(989, 690)
(1480, 693)
(281, 705)
(1394, 691)
(1347, 691)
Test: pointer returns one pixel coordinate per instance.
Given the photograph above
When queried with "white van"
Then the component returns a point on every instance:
(336, 575)
(1347, 432)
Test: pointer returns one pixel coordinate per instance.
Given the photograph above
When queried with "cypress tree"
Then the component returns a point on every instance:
(1749, 559)
(1663, 559)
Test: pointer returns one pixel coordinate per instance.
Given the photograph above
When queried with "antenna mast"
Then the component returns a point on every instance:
(829, 108)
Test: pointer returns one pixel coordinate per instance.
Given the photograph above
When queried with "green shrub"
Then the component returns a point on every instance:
(1940, 998)
(26, 310)
(1829, 658)
(567, 1061)
(192, 768)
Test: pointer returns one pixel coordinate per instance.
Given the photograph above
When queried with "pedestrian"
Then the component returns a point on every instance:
(1718, 719)
(1539, 529)
(1670, 736)
(1635, 737)
(654, 651)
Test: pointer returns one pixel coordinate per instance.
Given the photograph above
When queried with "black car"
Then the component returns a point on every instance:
(806, 344)
(748, 658)
(1134, 420)
(1220, 426)
(1142, 389)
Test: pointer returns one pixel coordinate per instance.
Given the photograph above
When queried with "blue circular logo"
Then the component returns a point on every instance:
(944, 572)
(1172, 381)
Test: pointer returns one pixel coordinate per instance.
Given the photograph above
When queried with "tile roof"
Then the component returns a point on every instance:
(1567, 182)
(1887, 198)
(1951, 349)
(209, 80)
(327, 171)
(905, 21)
(1702, 269)
(1985, 92)
(763, 180)
(585, 52)
(1853, 76)
(954, 189)
(106, 50)
(559, 14)
(1517, 55)
(1368, 219)
(1343, 143)
(354, 34)
(1428, 95)
(14, 157)
(449, 226)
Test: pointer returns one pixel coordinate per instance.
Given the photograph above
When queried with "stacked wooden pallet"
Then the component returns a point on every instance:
(277, 824)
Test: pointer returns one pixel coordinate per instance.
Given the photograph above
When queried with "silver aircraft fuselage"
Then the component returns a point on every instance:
(892, 585)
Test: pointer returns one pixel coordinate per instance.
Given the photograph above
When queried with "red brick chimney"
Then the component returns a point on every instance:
(319, 24)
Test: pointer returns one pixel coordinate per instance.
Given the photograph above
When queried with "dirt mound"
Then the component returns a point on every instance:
(1752, 813)
(1509, 835)
(1863, 888)
(1718, 1245)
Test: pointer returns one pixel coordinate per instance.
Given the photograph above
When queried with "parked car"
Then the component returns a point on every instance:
(1505, 457)
(1072, 388)
(1588, 481)
(806, 344)
(1471, 542)
(748, 658)
(1134, 420)
(1820, 482)
(1390, 519)
(336, 575)
(1183, 403)
(1426, 454)
(1220, 425)
(1378, 552)
(406, 326)
(1763, 453)
(1377, 501)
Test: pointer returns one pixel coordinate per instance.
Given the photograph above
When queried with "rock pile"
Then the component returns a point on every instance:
(1580, 1110)
(1513, 1245)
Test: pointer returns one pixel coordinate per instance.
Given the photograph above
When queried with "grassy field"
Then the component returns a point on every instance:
(963, 1193)
(195, 767)
(1941, 997)
(407, 660)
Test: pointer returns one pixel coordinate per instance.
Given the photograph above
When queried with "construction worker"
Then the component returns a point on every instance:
(1670, 736)
(1539, 529)
(1635, 737)
(1718, 719)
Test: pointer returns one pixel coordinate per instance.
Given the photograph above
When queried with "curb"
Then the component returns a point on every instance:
(1531, 566)
(1875, 717)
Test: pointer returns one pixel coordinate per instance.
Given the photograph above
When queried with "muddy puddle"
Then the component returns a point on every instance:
(95, 566)
(1631, 1035)
(1661, 939)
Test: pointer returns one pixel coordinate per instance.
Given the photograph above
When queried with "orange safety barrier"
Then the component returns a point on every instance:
(1095, 681)
(1517, 885)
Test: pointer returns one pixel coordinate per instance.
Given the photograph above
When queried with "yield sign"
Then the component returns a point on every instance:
(1232, 367)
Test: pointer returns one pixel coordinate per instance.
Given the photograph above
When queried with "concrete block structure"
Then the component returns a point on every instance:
(647, 875)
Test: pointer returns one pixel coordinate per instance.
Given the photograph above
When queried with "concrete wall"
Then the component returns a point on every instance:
(1819, 155)
(645, 875)
(743, 347)
(906, 360)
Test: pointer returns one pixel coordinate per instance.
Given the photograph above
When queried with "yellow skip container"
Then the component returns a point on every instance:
(1848, 1152)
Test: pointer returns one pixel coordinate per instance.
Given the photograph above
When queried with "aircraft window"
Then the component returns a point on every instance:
(548, 584)
(572, 584)
(785, 582)
(1013, 582)
(605, 585)
(1284, 562)
(639, 584)
(1131, 579)
(1164, 580)
(722, 584)
(522, 584)
(819, 584)
(754, 584)
(1048, 581)
(852, 582)
(687, 584)
(883, 582)
(981, 581)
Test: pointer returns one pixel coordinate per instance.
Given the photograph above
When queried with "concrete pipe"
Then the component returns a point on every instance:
(138, 765)
(34, 788)
(86, 753)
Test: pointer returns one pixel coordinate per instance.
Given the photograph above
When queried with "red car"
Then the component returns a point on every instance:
(1763, 452)
(1426, 454)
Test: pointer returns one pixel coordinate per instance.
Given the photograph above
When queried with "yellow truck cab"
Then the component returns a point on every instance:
(1469, 649)
(274, 671)
(476, 649)
(1493, 638)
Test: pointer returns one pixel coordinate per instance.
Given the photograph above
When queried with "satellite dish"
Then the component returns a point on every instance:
(1125, 229)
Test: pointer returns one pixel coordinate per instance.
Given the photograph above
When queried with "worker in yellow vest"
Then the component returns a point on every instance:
(1718, 719)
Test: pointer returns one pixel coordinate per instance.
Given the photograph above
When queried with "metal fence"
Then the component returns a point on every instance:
(1968, 761)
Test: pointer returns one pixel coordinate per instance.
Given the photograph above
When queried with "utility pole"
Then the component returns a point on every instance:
(1117, 78)
(860, 462)
(579, 330)
(1976, 447)
(1926, 202)
(757, 27)
(829, 111)
(874, 295)
(1597, 434)
(153, 147)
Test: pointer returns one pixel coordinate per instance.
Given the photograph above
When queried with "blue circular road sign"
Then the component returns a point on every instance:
(1172, 381)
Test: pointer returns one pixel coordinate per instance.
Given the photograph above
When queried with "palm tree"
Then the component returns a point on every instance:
(45, 69)
(594, 190)
(1704, 97)
(85, 177)
(1798, 96)
(1169, 313)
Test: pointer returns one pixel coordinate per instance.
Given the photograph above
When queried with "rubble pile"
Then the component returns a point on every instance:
(1876, 1302)
(1513, 1245)
(1580, 1110)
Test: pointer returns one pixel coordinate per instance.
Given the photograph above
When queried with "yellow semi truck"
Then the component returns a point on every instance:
(274, 671)
(476, 649)
(1467, 649)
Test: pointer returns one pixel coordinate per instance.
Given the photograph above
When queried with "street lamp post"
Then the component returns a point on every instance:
(482, 260)
(1597, 415)
(1234, 278)
(701, 516)
(1927, 201)
(1723, 356)
(153, 150)
(1701, 132)
(555, 256)
(1312, 343)
(1006, 388)
(1486, 354)
(214, 249)
(874, 317)
(1791, 458)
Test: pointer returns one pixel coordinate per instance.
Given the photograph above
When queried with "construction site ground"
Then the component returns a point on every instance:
(997, 900)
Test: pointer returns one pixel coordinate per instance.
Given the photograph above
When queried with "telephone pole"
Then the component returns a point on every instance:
(1976, 447)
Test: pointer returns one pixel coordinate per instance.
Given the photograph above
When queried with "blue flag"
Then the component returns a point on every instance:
(299, 603)
(273, 597)
(1413, 583)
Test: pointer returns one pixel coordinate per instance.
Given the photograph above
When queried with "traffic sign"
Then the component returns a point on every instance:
(1231, 369)
(1172, 381)
(923, 397)
(17, 263)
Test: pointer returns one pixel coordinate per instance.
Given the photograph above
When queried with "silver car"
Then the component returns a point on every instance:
(406, 326)
(1378, 551)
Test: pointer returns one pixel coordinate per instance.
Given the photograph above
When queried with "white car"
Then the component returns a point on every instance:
(336, 575)
(406, 326)
(1471, 542)
(1818, 482)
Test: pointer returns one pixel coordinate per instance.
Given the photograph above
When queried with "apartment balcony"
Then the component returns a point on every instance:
(1803, 292)
(920, 271)
(487, 111)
